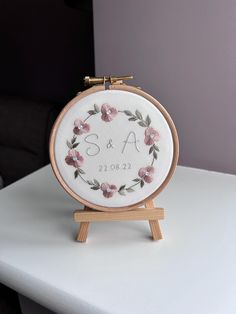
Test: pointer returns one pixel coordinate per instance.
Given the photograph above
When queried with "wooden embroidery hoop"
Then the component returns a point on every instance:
(93, 212)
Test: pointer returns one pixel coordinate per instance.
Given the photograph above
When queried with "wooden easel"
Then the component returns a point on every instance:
(150, 213)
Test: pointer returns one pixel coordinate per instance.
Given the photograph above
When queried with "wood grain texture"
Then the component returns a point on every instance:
(155, 229)
(137, 214)
(83, 229)
(83, 232)
(154, 224)
(87, 215)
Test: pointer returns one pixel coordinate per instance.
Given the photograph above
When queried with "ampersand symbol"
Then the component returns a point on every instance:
(110, 144)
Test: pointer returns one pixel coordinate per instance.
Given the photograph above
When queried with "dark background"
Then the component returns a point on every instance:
(46, 48)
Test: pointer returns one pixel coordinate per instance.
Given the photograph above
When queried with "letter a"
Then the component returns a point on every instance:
(130, 142)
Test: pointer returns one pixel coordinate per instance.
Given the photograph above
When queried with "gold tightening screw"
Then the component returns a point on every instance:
(89, 81)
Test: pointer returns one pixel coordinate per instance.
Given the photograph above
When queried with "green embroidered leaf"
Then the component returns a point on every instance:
(91, 112)
(156, 147)
(69, 144)
(75, 145)
(121, 192)
(155, 154)
(81, 171)
(96, 182)
(73, 140)
(95, 188)
(130, 190)
(128, 113)
(136, 180)
(90, 182)
(151, 150)
(139, 115)
(142, 123)
(96, 108)
(121, 188)
(141, 183)
(76, 173)
(148, 120)
(132, 119)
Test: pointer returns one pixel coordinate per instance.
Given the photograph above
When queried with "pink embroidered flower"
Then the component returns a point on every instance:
(108, 189)
(74, 158)
(151, 136)
(81, 127)
(108, 112)
(147, 173)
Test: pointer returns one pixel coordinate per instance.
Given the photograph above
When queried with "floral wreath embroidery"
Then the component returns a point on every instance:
(108, 113)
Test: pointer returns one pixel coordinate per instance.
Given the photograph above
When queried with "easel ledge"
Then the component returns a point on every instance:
(150, 213)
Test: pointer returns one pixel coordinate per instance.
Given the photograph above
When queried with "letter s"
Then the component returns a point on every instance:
(95, 149)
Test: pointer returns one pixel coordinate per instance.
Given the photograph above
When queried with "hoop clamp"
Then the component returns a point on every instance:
(89, 81)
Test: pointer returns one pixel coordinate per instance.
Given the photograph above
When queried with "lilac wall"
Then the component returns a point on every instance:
(183, 52)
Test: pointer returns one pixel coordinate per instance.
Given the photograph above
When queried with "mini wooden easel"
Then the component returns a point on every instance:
(150, 213)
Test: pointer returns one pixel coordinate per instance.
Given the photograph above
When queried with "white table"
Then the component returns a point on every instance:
(120, 270)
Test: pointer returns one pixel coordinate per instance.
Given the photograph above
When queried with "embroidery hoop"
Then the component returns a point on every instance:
(121, 87)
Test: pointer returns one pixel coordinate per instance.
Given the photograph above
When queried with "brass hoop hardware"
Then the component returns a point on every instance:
(89, 81)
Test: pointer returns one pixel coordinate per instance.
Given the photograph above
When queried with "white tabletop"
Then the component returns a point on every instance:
(120, 270)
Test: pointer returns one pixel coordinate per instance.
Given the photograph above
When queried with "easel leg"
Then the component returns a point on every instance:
(83, 232)
(154, 224)
(156, 230)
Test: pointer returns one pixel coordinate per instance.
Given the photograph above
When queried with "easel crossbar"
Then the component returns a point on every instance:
(91, 215)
